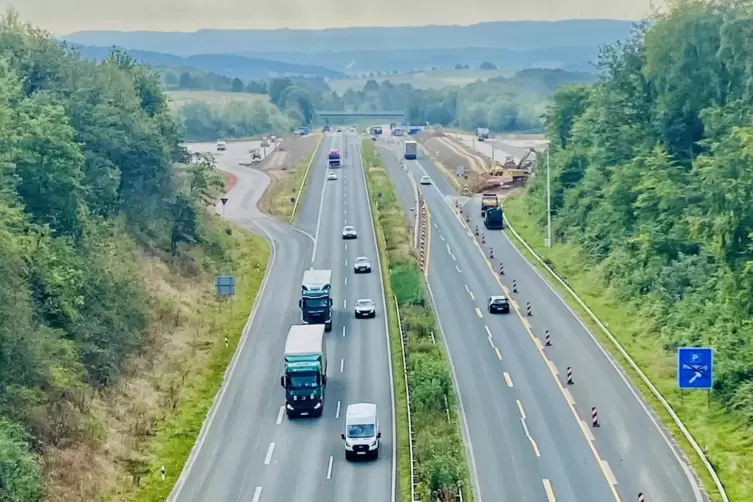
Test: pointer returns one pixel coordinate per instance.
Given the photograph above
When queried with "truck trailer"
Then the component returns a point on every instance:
(316, 298)
(334, 158)
(305, 375)
(411, 150)
(488, 200)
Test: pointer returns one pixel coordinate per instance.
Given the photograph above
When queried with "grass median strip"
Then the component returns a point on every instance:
(174, 438)
(726, 437)
(439, 452)
(287, 184)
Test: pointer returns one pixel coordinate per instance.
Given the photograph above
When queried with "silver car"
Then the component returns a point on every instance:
(349, 232)
(362, 265)
(332, 176)
(365, 308)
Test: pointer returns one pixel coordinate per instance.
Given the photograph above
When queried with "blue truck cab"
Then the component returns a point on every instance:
(305, 371)
(316, 298)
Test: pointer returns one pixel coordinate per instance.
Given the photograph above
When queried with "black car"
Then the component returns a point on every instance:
(498, 305)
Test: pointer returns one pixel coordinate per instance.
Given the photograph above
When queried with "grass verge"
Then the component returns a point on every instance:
(176, 435)
(439, 452)
(727, 440)
(276, 199)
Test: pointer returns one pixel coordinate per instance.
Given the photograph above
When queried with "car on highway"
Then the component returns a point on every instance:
(365, 307)
(498, 305)
(332, 176)
(339, 130)
(362, 265)
(362, 432)
(349, 232)
(221, 146)
(425, 180)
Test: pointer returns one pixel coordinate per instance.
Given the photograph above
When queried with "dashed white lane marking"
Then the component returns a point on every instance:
(329, 468)
(346, 263)
(435, 225)
(337, 412)
(458, 269)
(280, 415)
(345, 304)
(441, 237)
(345, 211)
(270, 451)
(520, 407)
(608, 471)
(449, 250)
(488, 331)
(346, 281)
(257, 494)
(508, 379)
(342, 365)
(549, 491)
(499, 354)
(346, 246)
(343, 331)
(478, 313)
(491, 342)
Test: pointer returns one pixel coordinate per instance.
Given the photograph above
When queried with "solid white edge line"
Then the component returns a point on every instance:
(229, 371)
(321, 207)
(393, 490)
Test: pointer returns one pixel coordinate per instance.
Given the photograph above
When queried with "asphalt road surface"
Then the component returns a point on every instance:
(530, 433)
(249, 451)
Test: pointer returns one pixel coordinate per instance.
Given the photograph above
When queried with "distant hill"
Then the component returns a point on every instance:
(521, 35)
(366, 61)
(227, 65)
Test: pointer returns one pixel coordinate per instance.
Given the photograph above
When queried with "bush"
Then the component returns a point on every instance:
(439, 453)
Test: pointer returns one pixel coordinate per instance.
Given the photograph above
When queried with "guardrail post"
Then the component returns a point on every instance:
(407, 398)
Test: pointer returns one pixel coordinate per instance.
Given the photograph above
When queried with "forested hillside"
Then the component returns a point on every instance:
(653, 183)
(88, 197)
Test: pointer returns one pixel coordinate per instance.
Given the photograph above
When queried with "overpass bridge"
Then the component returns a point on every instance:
(396, 114)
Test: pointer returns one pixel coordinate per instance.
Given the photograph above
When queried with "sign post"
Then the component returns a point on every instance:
(224, 201)
(695, 368)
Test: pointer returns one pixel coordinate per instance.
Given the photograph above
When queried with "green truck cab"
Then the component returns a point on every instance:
(316, 298)
(305, 376)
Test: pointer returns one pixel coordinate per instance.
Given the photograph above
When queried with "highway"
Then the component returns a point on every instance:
(249, 451)
(530, 433)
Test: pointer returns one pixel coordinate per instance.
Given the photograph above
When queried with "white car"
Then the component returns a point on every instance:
(332, 176)
(349, 232)
(425, 180)
(365, 307)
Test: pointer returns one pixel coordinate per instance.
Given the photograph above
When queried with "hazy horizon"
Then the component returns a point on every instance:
(63, 17)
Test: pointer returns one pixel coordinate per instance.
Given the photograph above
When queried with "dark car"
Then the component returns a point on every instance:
(498, 305)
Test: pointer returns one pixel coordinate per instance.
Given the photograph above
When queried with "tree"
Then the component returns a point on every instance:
(277, 87)
(487, 66)
(237, 85)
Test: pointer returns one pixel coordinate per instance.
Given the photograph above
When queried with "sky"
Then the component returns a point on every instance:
(67, 16)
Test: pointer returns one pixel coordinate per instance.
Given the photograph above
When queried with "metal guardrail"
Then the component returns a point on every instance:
(668, 407)
(411, 439)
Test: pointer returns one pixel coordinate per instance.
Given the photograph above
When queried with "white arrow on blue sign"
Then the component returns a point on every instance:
(695, 367)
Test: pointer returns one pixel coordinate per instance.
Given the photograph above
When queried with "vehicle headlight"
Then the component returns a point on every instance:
(374, 443)
(288, 406)
(348, 444)
(317, 406)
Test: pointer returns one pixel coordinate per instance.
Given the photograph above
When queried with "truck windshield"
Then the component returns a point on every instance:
(317, 303)
(303, 380)
(359, 431)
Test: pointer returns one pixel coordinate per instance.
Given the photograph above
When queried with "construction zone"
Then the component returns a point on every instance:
(481, 173)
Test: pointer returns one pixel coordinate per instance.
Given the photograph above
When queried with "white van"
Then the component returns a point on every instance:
(221, 146)
(361, 431)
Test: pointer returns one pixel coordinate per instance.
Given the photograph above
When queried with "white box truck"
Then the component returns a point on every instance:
(411, 150)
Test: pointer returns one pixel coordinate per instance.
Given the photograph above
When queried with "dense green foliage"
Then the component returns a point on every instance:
(86, 169)
(439, 453)
(653, 179)
(207, 121)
